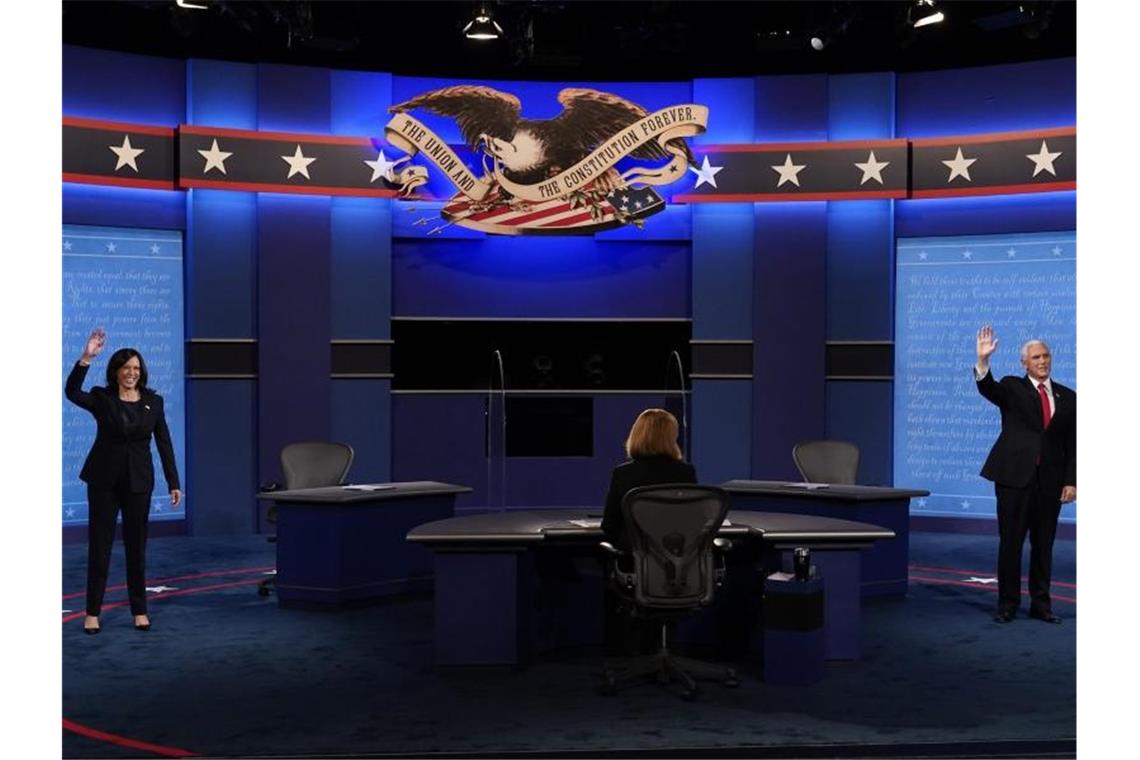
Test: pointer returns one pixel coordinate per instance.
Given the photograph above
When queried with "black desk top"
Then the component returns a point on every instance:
(333, 495)
(819, 491)
(529, 527)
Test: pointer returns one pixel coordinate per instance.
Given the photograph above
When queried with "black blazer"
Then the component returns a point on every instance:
(122, 449)
(1024, 441)
(647, 471)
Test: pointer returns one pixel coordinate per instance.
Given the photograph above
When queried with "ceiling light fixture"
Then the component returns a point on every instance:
(191, 6)
(482, 26)
(926, 14)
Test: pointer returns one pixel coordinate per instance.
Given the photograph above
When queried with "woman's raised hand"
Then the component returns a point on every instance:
(95, 343)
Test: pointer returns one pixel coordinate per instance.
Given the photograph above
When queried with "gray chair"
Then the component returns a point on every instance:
(827, 461)
(309, 464)
(672, 529)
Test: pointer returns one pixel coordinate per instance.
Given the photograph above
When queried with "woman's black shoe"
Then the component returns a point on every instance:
(91, 631)
(142, 626)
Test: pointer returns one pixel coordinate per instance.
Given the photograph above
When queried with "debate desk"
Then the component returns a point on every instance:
(345, 544)
(884, 565)
(509, 585)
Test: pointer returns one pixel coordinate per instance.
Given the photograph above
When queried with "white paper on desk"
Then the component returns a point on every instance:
(370, 487)
(587, 523)
(808, 486)
(781, 576)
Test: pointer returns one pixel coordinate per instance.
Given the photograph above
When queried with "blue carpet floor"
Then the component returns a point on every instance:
(226, 673)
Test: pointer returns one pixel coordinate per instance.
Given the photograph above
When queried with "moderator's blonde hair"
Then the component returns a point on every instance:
(654, 433)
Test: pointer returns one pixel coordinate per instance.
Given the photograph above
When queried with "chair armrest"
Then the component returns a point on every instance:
(609, 548)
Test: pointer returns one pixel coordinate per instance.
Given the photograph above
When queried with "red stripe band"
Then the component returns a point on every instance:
(123, 741)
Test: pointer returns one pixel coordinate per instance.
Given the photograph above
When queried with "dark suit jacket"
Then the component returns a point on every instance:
(648, 471)
(1024, 441)
(121, 452)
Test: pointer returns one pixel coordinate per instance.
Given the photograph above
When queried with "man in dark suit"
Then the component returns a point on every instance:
(1033, 465)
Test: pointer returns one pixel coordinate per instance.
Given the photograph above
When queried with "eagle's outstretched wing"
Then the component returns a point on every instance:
(478, 110)
(591, 116)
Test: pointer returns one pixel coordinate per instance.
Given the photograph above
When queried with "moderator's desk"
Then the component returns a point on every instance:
(338, 545)
(502, 593)
(884, 565)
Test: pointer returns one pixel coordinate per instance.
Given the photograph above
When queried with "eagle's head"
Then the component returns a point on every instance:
(522, 154)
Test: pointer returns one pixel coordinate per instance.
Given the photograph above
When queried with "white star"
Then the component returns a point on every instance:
(381, 167)
(960, 167)
(154, 249)
(707, 173)
(788, 171)
(70, 512)
(967, 254)
(111, 247)
(160, 589)
(975, 579)
(1011, 253)
(637, 204)
(1057, 251)
(625, 199)
(1043, 160)
(922, 502)
(872, 169)
(67, 245)
(215, 158)
(298, 164)
(126, 154)
(965, 504)
(922, 255)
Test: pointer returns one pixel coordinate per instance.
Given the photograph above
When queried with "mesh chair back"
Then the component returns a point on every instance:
(671, 530)
(315, 464)
(827, 461)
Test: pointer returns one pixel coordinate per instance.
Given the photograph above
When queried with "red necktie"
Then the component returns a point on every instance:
(1046, 414)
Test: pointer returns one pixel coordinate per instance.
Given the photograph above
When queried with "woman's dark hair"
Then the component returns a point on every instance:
(118, 359)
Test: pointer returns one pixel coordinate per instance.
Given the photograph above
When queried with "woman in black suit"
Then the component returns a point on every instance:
(654, 459)
(119, 471)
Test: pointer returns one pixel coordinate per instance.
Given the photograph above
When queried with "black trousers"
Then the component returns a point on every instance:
(1031, 511)
(103, 506)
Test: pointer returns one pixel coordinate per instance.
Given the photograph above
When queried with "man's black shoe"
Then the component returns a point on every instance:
(1004, 616)
(1047, 617)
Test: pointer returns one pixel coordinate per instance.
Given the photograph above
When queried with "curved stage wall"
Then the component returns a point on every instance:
(787, 309)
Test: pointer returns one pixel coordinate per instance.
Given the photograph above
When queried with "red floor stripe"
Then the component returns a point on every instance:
(156, 581)
(990, 587)
(167, 595)
(979, 573)
(123, 741)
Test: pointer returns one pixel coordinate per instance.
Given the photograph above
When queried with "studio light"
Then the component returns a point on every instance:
(482, 26)
(199, 6)
(818, 43)
(926, 14)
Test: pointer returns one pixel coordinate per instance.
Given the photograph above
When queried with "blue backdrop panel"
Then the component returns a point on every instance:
(103, 205)
(221, 446)
(861, 106)
(129, 281)
(986, 216)
(360, 101)
(292, 99)
(361, 267)
(528, 277)
(140, 89)
(860, 270)
(222, 94)
(732, 115)
(788, 316)
(221, 264)
(722, 270)
(362, 417)
(791, 108)
(860, 411)
(1022, 284)
(293, 324)
(722, 429)
(988, 99)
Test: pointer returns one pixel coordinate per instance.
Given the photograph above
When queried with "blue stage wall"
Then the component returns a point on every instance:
(294, 273)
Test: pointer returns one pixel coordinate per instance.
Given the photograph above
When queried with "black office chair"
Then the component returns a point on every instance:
(671, 530)
(827, 461)
(308, 464)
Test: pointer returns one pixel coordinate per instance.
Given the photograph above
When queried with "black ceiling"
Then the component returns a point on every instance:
(583, 41)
